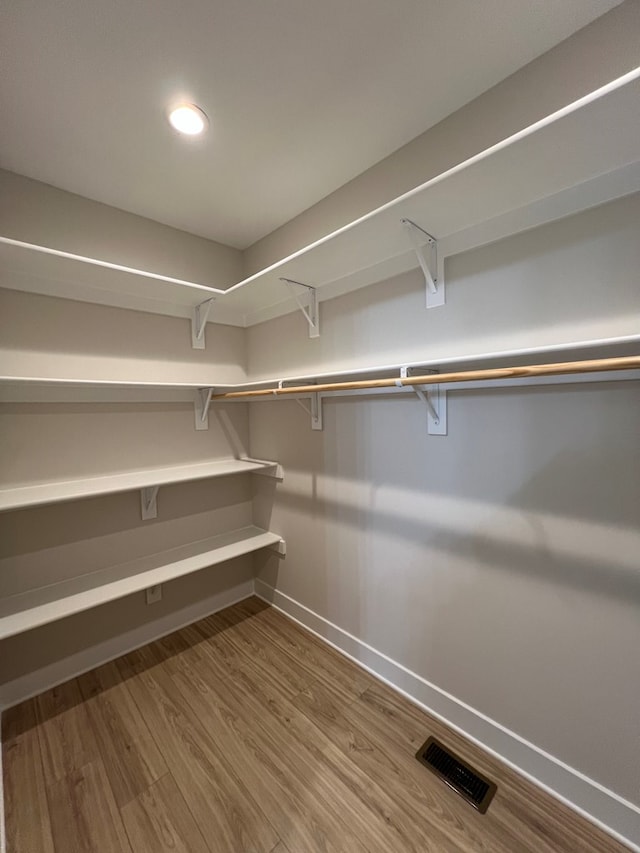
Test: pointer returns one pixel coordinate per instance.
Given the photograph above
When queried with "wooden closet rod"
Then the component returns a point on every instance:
(557, 369)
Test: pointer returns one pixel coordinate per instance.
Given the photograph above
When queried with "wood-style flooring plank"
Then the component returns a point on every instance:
(354, 800)
(84, 815)
(284, 669)
(292, 810)
(66, 736)
(321, 661)
(221, 804)
(128, 751)
(295, 801)
(243, 733)
(27, 822)
(354, 730)
(159, 821)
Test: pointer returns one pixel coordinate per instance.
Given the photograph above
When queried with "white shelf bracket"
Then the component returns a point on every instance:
(426, 248)
(314, 410)
(311, 311)
(201, 407)
(279, 547)
(199, 316)
(434, 399)
(149, 502)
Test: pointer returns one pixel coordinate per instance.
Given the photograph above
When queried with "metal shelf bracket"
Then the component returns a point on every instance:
(434, 399)
(199, 316)
(201, 406)
(149, 502)
(310, 311)
(426, 248)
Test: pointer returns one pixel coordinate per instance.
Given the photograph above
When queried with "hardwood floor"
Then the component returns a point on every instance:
(245, 733)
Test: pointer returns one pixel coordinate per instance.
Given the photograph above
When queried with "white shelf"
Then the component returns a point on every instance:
(566, 163)
(586, 154)
(57, 491)
(36, 607)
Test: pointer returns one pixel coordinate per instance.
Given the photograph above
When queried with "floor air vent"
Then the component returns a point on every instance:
(463, 779)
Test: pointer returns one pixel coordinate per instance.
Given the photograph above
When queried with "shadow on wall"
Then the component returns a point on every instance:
(565, 450)
(513, 538)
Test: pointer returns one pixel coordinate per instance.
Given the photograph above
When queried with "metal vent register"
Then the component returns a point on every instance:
(475, 789)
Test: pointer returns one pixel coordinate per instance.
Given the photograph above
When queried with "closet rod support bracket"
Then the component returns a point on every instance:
(311, 311)
(149, 502)
(199, 316)
(314, 410)
(201, 407)
(435, 401)
(425, 247)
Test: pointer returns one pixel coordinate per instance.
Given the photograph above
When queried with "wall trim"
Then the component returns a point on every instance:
(49, 676)
(613, 814)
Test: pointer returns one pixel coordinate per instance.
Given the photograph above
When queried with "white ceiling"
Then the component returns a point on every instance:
(302, 95)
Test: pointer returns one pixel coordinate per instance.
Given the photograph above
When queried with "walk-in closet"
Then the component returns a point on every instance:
(320, 426)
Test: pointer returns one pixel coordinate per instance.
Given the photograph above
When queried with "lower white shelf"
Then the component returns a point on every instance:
(39, 606)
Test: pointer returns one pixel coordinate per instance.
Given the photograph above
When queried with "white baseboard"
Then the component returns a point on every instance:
(36, 682)
(610, 812)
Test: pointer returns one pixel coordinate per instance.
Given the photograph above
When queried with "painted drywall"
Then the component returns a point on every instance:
(42, 336)
(500, 563)
(593, 56)
(41, 214)
(569, 281)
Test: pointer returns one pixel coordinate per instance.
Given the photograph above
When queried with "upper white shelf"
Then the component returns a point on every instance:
(580, 156)
(57, 491)
(584, 155)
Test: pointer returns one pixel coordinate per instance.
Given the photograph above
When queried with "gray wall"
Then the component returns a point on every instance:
(500, 563)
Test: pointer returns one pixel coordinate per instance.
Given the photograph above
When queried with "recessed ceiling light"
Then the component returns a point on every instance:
(188, 119)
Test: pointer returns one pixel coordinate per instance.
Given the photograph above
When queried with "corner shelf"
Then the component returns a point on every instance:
(57, 491)
(578, 157)
(36, 607)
